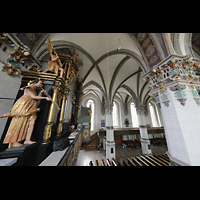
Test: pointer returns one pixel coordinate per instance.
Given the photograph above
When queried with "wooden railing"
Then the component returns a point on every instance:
(70, 157)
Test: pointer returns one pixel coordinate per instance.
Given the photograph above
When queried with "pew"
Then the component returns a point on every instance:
(138, 163)
(142, 161)
(125, 162)
(91, 164)
(147, 161)
(130, 143)
(159, 161)
(108, 162)
(102, 163)
(119, 162)
(148, 157)
(160, 158)
(138, 160)
(131, 162)
(165, 157)
(113, 162)
(97, 163)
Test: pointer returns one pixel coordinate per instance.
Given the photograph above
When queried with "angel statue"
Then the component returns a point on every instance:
(23, 115)
(53, 66)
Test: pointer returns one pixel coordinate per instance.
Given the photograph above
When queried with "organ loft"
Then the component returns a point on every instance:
(99, 99)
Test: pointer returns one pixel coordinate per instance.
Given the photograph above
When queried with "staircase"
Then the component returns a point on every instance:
(90, 144)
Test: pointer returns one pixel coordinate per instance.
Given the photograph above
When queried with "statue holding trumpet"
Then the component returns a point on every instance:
(23, 114)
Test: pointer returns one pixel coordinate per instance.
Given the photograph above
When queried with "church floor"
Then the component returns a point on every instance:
(85, 156)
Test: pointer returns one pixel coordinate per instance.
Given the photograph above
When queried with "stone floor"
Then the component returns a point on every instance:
(85, 156)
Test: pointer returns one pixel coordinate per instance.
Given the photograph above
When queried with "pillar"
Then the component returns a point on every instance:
(110, 142)
(145, 142)
(60, 124)
(49, 123)
(176, 88)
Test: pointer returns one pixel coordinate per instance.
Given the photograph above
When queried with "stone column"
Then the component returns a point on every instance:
(176, 88)
(110, 142)
(145, 142)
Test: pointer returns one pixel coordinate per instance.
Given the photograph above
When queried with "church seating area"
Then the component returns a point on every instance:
(138, 160)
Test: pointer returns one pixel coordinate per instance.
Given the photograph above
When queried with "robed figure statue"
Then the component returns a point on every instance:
(23, 115)
(53, 65)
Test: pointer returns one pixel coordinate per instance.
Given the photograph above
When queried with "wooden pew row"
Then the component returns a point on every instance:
(160, 158)
(147, 161)
(103, 163)
(108, 162)
(136, 161)
(152, 160)
(120, 163)
(164, 156)
(126, 163)
(131, 162)
(113, 162)
(142, 160)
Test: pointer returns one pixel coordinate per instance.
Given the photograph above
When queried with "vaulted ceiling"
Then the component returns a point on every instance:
(113, 63)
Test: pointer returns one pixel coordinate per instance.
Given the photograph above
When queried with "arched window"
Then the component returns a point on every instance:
(134, 116)
(115, 115)
(91, 103)
(154, 116)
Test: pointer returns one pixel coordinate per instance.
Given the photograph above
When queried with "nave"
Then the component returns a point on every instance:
(85, 156)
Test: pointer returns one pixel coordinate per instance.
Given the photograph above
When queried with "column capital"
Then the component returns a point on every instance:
(171, 69)
(109, 108)
(176, 73)
(141, 109)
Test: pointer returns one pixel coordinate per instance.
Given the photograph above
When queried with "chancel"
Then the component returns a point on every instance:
(100, 99)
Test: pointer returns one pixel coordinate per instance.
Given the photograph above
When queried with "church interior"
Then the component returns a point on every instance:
(99, 99)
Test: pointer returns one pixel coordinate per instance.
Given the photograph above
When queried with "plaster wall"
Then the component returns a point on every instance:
(182, 125)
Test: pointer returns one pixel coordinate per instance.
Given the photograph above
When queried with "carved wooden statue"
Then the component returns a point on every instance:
(23, 115)
(53, 66)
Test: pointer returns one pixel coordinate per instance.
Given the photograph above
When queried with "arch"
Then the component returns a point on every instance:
(182, 43)
(88, 91)
(133, 95)
(142, 90)
(95, 84)
(127, 52)
(59, 44)
(133, 74)
(123, 61)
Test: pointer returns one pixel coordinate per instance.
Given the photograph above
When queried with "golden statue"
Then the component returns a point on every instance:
(53, 66)
(24, 115)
